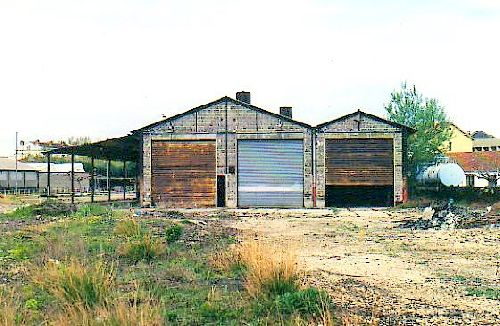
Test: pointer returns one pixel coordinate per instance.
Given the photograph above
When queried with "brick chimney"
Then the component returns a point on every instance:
(243, 97)
(286, 111)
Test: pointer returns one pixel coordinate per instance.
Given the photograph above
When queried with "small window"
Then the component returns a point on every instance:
(469, 179)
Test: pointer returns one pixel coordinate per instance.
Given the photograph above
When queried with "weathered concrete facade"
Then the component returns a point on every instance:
(226, 121)
(361, 126)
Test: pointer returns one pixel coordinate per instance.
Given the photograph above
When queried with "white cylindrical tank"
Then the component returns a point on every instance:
(448, 174)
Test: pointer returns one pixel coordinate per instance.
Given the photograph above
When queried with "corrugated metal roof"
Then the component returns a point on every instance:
(58, 167)
(7, 163)
(477, 161)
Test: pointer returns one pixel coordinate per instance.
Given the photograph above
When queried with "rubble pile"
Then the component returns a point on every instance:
(449, 217)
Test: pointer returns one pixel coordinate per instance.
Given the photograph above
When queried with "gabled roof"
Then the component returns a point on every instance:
(466, 134)
(479, 134)
(10, 164)
(477, 161)
(224, 99)
(371, 116)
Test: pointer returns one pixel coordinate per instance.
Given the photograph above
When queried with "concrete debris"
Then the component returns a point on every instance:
(449, 217)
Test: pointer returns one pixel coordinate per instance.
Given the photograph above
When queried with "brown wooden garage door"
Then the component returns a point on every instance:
(359, 162)
(183, 173)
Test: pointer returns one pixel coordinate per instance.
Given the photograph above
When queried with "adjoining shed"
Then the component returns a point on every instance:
(21, 176)
(60, 177)
(227, 153)
(360, 161)
(125, 149)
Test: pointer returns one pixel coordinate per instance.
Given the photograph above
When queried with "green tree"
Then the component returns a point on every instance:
(427, 116)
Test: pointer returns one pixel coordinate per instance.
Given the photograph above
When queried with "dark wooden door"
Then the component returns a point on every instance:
(359, 162)
(183, 173)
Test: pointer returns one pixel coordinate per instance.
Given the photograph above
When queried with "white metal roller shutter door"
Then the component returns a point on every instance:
(270, 173)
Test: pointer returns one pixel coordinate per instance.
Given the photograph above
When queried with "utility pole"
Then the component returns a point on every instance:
(16, 164)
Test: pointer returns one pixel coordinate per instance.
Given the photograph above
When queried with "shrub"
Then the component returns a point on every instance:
(53, 208)
(269, 271)
(46, 208)
(174, 214)
(128, 228)
(77, 284)
(144, 248)
(173, 233)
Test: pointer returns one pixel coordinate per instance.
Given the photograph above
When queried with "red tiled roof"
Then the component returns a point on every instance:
(477, 161)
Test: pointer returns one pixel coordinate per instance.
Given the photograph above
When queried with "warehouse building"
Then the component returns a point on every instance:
(20, 176)
(228, 153)
(60, 177)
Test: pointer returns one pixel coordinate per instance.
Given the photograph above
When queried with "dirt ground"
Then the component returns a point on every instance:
(381, 274)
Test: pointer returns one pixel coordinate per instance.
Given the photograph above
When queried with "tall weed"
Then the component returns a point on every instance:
(75, 283)
(269, 270)
(144, 248)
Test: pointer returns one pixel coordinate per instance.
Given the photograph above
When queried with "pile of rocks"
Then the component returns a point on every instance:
(449, 217)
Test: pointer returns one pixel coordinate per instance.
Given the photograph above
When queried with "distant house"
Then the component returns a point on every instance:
(481, 134)
(60, 177)
(486, 144)
(477, 166)
(35, 148)
(460, 141)
(24, 176)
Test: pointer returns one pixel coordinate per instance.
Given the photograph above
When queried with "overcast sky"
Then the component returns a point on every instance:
(102, 68)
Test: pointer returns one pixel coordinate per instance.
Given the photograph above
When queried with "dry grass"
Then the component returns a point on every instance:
(270, 270)
(118, 313)
(224, 260)
(75, 283)
(128, 228)
(144, 248)
(59, 248)
(9, 308)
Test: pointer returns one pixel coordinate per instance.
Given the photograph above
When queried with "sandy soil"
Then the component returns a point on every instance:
(380, 273)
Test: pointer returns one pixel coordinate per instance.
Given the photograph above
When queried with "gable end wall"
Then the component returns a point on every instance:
(226, 122)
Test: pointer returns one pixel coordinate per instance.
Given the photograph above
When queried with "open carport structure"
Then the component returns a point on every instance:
(125, 149)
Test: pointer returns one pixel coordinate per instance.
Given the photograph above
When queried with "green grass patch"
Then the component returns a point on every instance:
(173, 233)
(486, 292)
(87, 210)
(145, 248)
(46, 208)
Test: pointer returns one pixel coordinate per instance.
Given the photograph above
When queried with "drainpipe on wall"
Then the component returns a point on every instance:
(313, 167)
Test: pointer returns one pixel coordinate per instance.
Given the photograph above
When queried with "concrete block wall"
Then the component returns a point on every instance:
(226, 121)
